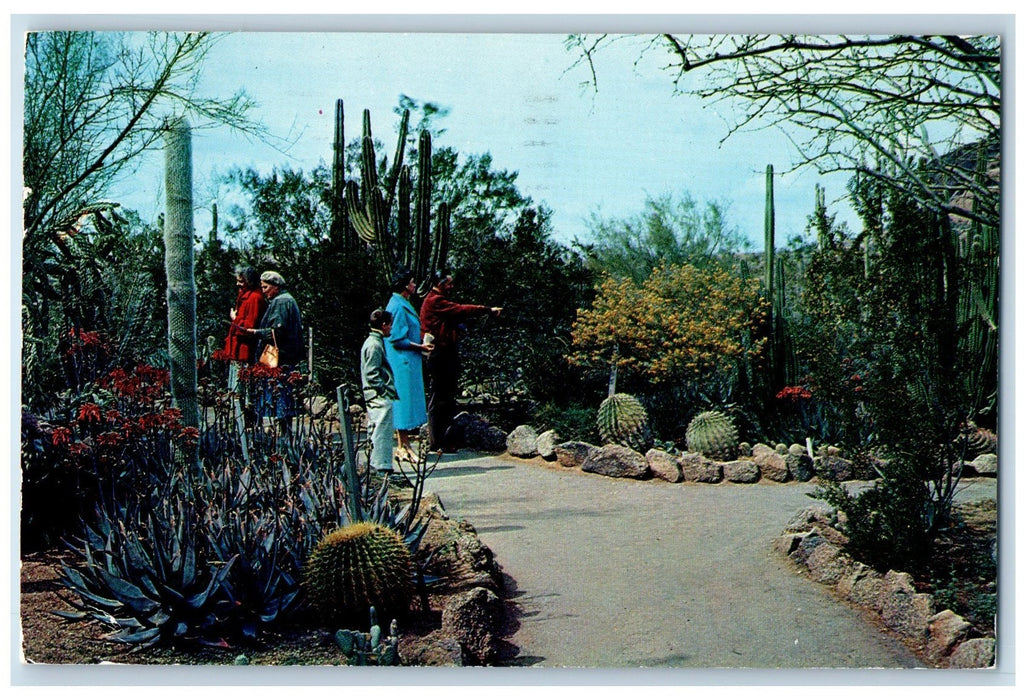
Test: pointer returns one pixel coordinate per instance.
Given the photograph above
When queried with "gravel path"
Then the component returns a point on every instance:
(616, 573)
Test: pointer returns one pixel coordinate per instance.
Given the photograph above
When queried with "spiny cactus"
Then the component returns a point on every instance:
(622, 420)
(357, 566)
(368, 648)
(712, 434)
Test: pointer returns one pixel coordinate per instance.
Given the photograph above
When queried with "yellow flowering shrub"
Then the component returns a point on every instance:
(680, 323)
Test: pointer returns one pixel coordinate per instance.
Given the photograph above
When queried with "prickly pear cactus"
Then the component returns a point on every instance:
(357, 566)
(622, 420)
(712, 434)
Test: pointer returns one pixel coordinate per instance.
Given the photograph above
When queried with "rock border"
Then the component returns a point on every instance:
(941, 639)
(755, 463)
(474, 612)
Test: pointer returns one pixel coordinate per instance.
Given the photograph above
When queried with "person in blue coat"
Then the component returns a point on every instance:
(403, 350)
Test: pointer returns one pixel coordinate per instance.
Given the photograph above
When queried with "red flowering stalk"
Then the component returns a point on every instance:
(794, 393)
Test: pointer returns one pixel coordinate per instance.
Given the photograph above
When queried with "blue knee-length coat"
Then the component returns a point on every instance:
(410, 411)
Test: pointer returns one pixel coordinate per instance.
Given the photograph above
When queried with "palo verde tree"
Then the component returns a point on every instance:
(686, 328)
(879, 106)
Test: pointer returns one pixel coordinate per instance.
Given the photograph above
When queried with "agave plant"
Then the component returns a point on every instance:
(141, 573)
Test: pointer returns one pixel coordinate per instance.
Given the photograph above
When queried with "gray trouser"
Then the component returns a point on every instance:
(379, 429)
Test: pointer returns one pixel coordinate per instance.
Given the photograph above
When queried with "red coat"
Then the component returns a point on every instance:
(441, 317)
(249, 307)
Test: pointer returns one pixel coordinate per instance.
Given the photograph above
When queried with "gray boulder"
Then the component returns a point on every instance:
(903, 610)
(472, 618)
(827, 564)
(522, 442)
(697, 467)
(436, 652)
(573, 454)
(862, 585)
(476, 433)
(811, 515)
(974, 653)
(663, 465)
(741, 471)
(772, 465)
(799, 465)
(546, 444)
(985, 464)
(833, 468)
(617, 461)
(945, 631)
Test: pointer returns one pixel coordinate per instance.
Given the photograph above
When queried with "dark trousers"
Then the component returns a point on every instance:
(443, 368)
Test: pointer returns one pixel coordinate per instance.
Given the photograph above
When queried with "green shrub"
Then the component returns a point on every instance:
(573, 422)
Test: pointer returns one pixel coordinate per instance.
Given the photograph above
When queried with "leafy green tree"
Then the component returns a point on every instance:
(669, 231)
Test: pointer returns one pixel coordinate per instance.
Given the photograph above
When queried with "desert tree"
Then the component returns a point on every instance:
(880, 106)
(93, 102)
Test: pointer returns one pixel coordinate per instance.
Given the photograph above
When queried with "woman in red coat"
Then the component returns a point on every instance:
(240, 345)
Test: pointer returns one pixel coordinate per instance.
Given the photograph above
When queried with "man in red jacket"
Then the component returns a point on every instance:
(440, 318)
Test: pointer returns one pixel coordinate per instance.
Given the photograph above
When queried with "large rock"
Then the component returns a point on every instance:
(522, 442)
(827, 563)
(574, 454)
(444, 651)
(741, 471)
(663, 465)
(974, 653)
(862, 585)
(806, 545)
(617, 461)
(546, 444)
(833, 468)
(985, 465)
(772, 465)
(811, 515)
(945, 631)
(476, 433)
(464, 560)
(473, 618)
(903, 610)
(799, 465)
(697, 467)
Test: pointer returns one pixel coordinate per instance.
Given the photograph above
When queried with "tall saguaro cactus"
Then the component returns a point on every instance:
(178, 263)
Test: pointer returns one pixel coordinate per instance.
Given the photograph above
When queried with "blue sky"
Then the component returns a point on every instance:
(576, 149)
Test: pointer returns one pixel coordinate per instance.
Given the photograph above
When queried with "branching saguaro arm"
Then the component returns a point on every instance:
(178, 262)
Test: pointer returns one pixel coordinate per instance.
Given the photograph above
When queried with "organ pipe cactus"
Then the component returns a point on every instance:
(622, 420)
(357, 566)
(712, 434)
(378, 209)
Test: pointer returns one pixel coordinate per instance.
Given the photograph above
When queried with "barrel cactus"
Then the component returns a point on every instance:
(713, 434)
(622, 420)
(357, 566)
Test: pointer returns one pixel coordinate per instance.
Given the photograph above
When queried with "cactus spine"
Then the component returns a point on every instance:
(178, 263)
(712, 434)
(622, 420)
(357, 566)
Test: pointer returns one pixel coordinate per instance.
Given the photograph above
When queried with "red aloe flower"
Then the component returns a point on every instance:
(110, 438)
(61, 436)
(89, 412)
